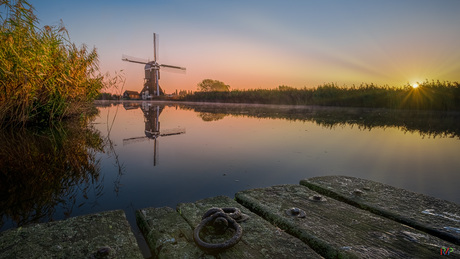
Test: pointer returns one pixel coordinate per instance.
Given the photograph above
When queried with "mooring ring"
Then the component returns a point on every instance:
(234, 213)
(231, 224)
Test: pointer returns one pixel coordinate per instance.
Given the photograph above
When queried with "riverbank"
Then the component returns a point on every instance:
(429, 95)
(337, 216)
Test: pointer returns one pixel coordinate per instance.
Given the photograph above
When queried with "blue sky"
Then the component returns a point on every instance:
(263, 44)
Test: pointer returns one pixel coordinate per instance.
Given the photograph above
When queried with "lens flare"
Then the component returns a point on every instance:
(415, 85)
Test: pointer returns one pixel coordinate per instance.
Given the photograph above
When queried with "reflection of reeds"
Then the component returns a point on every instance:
(44, 77)
(434, 95)
(40, 170)
(117, 82)
(111, 150)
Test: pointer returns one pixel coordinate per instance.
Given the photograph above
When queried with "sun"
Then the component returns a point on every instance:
(415, 85)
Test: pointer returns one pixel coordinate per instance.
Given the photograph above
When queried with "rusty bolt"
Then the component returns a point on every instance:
(358, 192)
(296, 212)
(317, 198)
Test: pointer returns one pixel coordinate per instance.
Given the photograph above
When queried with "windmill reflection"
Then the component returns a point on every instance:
(152, 126)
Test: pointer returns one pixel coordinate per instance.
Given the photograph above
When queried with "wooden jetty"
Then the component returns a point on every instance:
(322, 217)
(434, 216)
(169, 233)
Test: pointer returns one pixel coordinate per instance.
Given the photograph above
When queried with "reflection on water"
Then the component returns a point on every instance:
(227, 148)
(427, 123)
(45, 171)
(152, 126)
(209, 116)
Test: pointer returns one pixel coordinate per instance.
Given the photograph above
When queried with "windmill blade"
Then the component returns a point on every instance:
(170, 132)
(170, 66)
(134, 59)
(156, 148)
(156, 46)
(173, 70)
(134, 140)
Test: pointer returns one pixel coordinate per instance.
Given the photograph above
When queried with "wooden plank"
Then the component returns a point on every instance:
(100, 235)
(167, 234)
(336, 229)
(434, 216)
(260, 239)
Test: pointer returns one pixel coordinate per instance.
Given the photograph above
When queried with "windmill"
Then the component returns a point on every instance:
(152, 71)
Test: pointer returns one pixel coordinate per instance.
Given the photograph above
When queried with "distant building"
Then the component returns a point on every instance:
(131, 95)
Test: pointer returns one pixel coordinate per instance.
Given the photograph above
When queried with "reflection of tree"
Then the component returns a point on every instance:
(207, 116)
(426, 123)
(40, 170)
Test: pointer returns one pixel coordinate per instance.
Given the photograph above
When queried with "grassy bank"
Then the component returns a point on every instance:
(44, 77)
(430, 95)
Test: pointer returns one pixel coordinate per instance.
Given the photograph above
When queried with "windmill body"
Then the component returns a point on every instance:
(151, 81)
(152, 72)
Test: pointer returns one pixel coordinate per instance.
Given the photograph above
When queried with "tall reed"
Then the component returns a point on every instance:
(430, 95)
(44, 77)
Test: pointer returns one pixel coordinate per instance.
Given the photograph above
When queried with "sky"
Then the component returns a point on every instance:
(264, 44)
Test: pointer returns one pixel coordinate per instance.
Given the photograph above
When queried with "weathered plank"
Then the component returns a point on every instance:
(260, 239)
(434, 216)
(167, 234)
(100, 235)
(336, 229)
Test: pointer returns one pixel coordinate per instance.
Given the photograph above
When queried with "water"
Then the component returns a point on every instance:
(153, 154)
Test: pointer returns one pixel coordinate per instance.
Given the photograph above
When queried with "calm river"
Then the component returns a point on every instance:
(152, 154)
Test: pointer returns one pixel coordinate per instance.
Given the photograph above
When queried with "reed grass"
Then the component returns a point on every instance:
(430, 95)
(44, 77)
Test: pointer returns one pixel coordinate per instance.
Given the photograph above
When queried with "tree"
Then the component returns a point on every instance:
(210, 85)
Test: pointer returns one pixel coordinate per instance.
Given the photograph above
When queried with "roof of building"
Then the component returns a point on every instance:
(130, 92)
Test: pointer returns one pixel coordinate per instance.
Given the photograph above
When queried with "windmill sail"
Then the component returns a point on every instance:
(169, 66)
(134, 59)
(156, 46)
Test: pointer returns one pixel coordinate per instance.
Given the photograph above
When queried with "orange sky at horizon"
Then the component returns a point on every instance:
(264, 45)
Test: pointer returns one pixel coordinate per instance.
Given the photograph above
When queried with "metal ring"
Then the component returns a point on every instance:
(227, 244)
(234, 213)
(210, 212)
